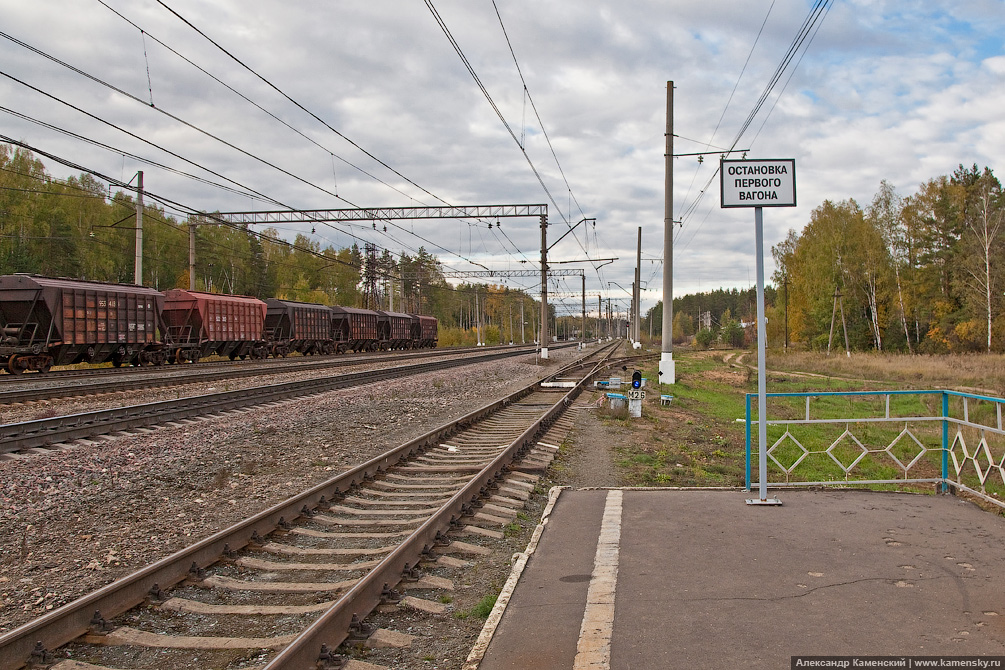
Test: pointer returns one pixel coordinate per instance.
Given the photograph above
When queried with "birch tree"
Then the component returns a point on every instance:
(983, 219)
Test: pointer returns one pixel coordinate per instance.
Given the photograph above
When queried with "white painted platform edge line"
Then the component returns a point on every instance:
(481, 645)
(594, 648)
(698, 489)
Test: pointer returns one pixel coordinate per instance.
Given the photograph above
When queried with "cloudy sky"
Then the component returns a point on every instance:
(388, 114)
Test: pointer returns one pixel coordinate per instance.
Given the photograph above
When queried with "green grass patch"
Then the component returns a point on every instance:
(481, 610)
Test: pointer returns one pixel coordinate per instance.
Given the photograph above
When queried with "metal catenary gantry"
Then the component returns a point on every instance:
(399, 213)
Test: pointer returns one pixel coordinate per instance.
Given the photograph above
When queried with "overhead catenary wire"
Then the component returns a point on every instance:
(502, 118)
(802, 40)
(169, 203)
(257, 194)
(212, 136)
(488, 97)
(252, 102)
(176, 155)
(729, 100)
(124, 153)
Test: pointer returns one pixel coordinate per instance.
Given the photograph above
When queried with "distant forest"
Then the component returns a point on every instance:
(923, 273)
(78, 229)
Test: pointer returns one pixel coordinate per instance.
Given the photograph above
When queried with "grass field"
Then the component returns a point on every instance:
(697, 440)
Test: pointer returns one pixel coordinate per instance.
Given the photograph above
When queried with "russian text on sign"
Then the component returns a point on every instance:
(758, 183)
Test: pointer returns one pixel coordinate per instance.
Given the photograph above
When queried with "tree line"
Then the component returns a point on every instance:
(923, 273)
(77, 228)
(920, 274)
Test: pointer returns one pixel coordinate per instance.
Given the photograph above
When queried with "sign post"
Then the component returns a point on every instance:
(759, 184)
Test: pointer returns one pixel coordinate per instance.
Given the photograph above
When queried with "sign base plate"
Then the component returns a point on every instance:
(768, 501)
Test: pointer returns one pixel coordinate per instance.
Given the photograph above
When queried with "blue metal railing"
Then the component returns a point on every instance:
(967, 460)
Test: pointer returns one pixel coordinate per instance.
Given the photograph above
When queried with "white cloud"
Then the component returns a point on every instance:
(884, 92)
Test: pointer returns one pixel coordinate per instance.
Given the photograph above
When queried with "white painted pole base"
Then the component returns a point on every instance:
(635, 409)
(544, 352)
(668, 369)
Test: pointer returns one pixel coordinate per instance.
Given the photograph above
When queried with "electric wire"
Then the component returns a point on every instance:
(492, 103)
(123, 152)
(97, 80)
(291, 100)
(252, 102)
(807, 30)
(533, 106)
(190, 125)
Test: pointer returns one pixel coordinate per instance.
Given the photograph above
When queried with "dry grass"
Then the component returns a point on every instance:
(982, 373)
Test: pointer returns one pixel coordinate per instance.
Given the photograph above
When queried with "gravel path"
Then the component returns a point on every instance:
(71, 522)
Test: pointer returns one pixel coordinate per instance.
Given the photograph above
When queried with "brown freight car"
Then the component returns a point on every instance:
(203, 324)
(298, 326)
(48, 322)
(354, 329)
(394, 330)
(424, 331)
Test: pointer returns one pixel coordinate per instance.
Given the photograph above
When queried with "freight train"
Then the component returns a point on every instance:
(46, 321)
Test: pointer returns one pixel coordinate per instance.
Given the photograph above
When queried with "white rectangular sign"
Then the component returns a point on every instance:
(758, 183)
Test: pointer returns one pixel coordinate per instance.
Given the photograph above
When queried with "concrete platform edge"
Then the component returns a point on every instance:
(495, 616)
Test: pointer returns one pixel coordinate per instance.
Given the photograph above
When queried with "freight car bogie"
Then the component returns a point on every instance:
(18, 363)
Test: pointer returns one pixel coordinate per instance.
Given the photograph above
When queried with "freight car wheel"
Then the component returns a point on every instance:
(14, 366)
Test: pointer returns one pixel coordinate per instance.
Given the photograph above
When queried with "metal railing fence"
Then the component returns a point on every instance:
(948, 438)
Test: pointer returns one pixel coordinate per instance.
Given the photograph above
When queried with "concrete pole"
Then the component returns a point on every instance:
(523, 336)
(631, 314)
(191, 257)
(544, 287)
(600, 316)
(638, 290)
(138, 262)
(667, 371)
(610, 330)
(478, 319)
(582, 337)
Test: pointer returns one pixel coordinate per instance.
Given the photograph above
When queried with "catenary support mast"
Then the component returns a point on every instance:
(667, 368)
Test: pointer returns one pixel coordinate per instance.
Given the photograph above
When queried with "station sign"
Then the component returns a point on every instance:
(758, 183)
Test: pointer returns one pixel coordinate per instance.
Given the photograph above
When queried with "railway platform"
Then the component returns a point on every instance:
(633, 579)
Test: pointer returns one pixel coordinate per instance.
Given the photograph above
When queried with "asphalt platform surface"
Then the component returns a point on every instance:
(705, 581)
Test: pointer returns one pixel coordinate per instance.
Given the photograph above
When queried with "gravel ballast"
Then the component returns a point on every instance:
(75, 520)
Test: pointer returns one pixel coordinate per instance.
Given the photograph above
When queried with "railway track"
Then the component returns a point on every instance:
(58, 430)
(74, 383)
(287, 586)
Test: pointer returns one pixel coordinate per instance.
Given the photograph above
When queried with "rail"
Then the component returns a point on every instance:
(69, 621)
(949, 438)
(45, 432)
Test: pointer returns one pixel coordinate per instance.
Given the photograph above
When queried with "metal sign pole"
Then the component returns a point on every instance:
(762, 398)
(759, 183)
